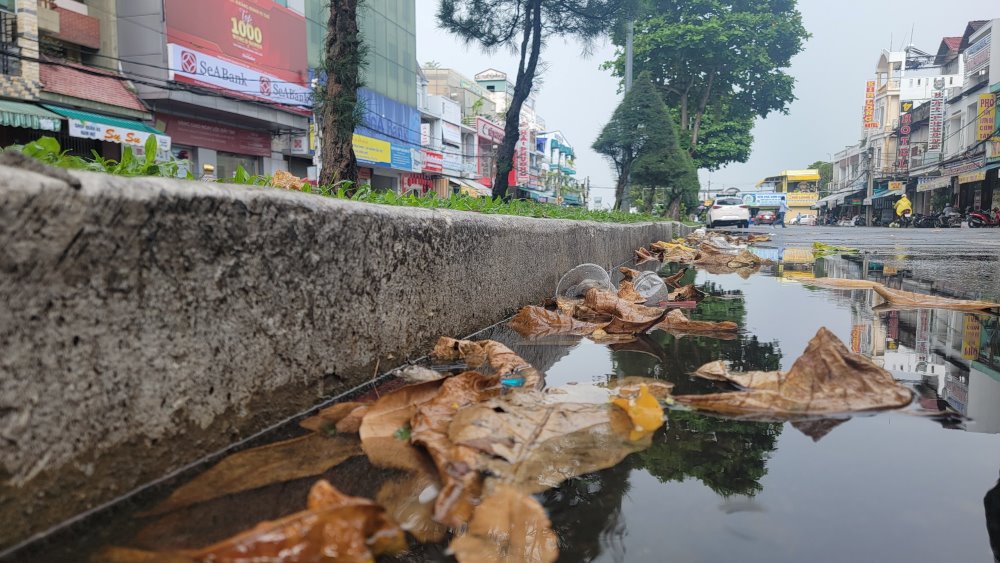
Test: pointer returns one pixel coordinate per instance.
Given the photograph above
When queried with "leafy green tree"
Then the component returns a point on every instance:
(641, 142)
(522, 25)
(825, 174)
(338, 98)
(719, 61)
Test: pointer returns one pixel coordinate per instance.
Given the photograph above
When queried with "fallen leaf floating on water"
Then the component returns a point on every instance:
(307, 456)
(677, 322)
(536, 444)
(334, 527)
(630, 386)
(532, 321)
(326, 420)
(503, 362)
(687, 293)
(409, 500)
(907, 299)
(642, 256)
(675, 279)
(626, 291)
(509, 526)
(761, 380)
(644, 411)
(628, 274)
(457, 466)
(380, 430)
(627, 318)
(827, 378)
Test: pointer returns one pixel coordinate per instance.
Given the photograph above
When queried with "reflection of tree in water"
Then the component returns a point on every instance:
(728, 456)
(586, 513)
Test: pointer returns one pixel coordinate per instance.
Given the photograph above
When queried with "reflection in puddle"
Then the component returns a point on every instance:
(711, 488)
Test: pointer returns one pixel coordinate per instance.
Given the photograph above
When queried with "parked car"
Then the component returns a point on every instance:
(803, 220)
(728, 211)
(765, 218)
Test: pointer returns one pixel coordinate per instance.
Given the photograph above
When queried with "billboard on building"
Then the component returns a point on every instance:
(869, 114)
(977, 57)
(250, 48)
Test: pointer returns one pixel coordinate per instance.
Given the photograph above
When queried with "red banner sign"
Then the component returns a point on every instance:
(259, 35)
(433, 162)
(215, 136)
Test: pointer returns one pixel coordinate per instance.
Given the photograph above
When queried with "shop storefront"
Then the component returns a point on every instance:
(107, 135)
(388, 141)
(489, 137)
(21, 123)
(973, 190)
(223, 146)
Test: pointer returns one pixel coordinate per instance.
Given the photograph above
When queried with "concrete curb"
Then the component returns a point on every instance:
(147, 322)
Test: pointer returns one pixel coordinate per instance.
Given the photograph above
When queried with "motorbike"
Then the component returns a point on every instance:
(905, 221)
(921, 221)
(949, 220)
(984, 218)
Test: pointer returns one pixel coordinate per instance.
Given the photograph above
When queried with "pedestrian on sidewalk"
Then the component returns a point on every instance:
(782, 209)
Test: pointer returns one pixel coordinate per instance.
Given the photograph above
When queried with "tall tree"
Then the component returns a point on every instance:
(722, 56)
(339, 97)
(641, 142)
(630, 132)
(522, 25)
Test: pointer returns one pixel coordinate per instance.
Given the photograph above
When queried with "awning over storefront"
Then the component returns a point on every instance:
(572, 199)
(99, 127)
(835, 199)
(541, 197)
(29, 116)
(473, 189)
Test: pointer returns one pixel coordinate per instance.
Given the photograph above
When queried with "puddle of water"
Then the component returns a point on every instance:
(886, 486)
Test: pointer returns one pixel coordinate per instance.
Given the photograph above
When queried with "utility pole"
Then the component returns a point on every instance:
(629, 34)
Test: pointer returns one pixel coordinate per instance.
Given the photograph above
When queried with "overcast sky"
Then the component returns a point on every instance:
(576, 97)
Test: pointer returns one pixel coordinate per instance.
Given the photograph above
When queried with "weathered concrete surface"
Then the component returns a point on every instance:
(147, 322)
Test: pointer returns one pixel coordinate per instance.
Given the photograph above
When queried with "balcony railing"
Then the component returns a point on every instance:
(10, 53)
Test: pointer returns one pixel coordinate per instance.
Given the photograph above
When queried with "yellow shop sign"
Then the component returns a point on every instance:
(801, 199)
(372, 150)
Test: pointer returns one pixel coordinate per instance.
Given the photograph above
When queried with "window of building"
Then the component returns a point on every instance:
(9, 51)
(226, 163)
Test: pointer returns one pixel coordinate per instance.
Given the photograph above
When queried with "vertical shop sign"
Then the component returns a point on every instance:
(935, 125)
(903, 152)
(869, 120)
(523, 157)
(970, 337)
(987, 116)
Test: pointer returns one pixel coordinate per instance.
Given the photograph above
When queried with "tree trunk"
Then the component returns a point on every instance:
(673, 208)
(622, 182)
(702, 104)
(648, 195)
(522, 88)
(340, 99)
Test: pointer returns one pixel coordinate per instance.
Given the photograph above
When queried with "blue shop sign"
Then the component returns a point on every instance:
(402, 158)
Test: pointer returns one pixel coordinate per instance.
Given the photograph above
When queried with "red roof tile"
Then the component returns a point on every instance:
(952, 42)
(92, 84)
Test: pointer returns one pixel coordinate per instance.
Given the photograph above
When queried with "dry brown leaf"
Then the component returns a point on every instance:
(826, 379)
(383, 429)
(509, 526)
(537, 444)
(566, 306)
(601, 337)
(687, 293)
(841, 283)
(626, 291)
(628, 273)
(717, 371)
(116, 554)
(330, 416)
(501, 359)
(675, 279)
(900, 298)
(642, 256)
(334, 527)
(905, 299)
(628, 318)
(409, 500)
(628, 386)
(457, 466)
(532, 321)
(351, 423)
(286, 180)
(677, 322)
(305, 456)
